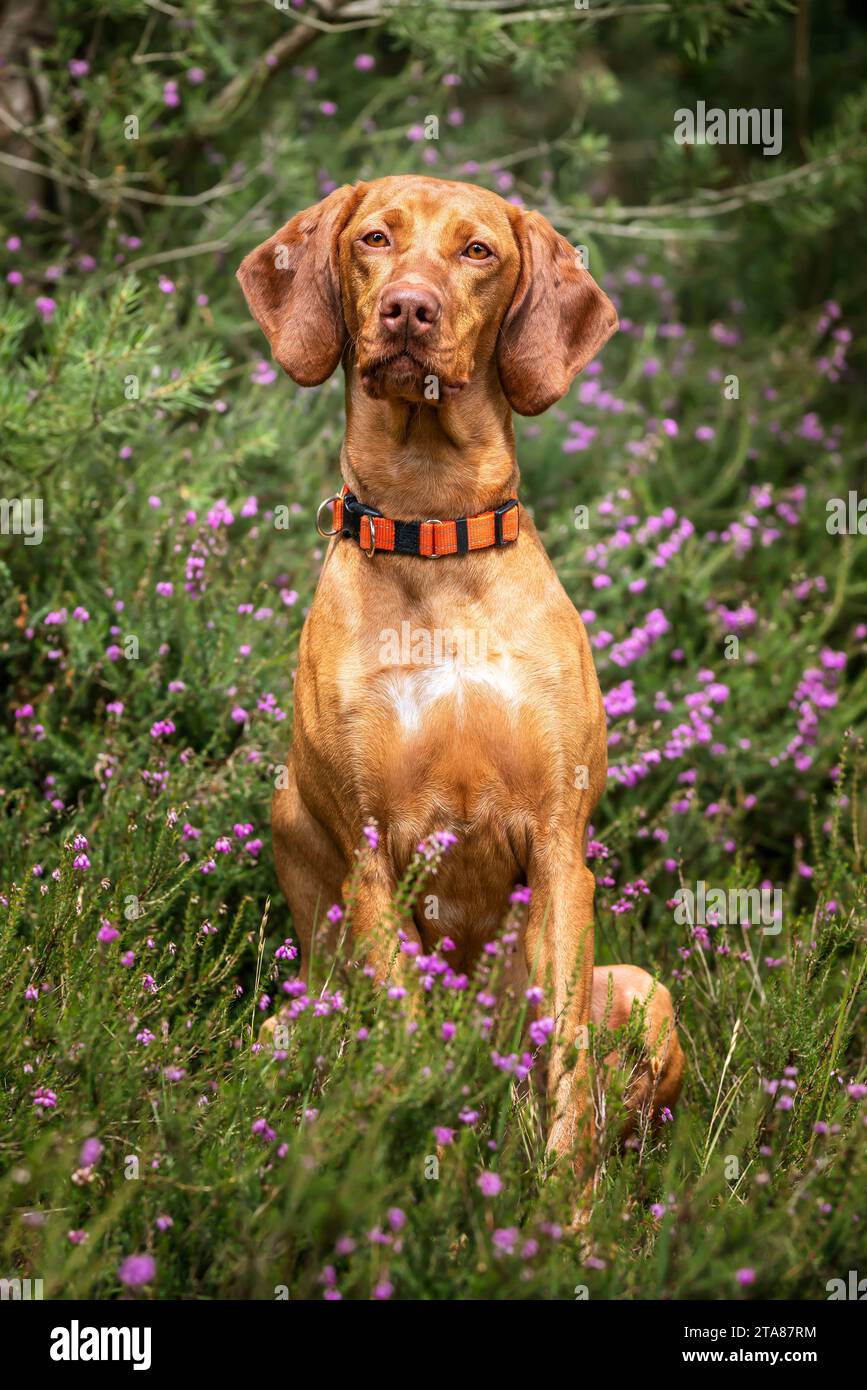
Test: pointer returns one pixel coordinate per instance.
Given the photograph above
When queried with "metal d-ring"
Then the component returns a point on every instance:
(433, 521)
(372, 551)
(335, 497)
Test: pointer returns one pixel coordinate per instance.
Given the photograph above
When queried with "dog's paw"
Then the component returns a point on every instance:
(268, 1030)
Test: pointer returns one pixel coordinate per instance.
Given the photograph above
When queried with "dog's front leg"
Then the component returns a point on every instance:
(375, 923)
(559, 950)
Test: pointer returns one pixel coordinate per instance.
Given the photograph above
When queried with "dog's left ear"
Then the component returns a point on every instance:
(292, 285)
(557, 321)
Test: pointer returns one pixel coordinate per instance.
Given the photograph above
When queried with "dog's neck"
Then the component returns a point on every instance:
(413, 461)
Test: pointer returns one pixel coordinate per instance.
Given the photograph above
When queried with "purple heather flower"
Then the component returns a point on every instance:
(490, 1184)
(540, 1031)
(263, 374)
(137, 1270)
(91, 1152)
(505, 1239)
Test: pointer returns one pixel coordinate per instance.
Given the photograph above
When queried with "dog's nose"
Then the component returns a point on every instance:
(408, 309)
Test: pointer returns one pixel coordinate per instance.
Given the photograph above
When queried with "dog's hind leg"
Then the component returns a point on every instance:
(310, 870)
(658, 1070)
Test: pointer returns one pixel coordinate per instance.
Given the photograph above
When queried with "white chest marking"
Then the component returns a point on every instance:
(411, 693)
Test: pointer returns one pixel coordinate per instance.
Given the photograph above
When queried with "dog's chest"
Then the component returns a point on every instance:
(458, 686)
(469, 710)
(446, 703)
(418, 674)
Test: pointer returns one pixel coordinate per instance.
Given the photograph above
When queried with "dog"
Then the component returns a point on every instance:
(449, 308)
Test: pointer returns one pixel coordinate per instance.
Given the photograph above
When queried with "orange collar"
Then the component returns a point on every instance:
(432, 538)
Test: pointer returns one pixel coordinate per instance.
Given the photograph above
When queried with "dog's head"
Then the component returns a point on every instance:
(430, 281)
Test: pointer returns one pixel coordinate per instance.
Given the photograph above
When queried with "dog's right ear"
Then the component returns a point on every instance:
(557, 322)
(292, 285)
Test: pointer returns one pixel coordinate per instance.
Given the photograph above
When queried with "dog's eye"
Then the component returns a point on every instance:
(477, 251)
(376, 239)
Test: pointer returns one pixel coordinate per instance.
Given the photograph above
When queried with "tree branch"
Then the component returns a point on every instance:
(256, 75)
